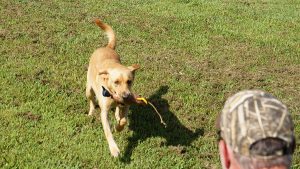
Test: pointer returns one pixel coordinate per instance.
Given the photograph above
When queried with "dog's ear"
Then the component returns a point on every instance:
(134, 67)
(103, 74)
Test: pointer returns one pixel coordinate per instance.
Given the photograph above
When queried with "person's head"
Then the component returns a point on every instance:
(256, 132)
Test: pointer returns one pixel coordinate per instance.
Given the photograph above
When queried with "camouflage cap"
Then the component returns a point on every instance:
(253, 115)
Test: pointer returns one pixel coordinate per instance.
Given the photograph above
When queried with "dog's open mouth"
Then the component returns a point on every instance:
(116, 97)
(124, 101)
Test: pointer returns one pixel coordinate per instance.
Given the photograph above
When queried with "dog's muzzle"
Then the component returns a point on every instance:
(125, 98)
(126, 95)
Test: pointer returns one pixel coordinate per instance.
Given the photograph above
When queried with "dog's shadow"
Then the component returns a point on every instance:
(145, 123)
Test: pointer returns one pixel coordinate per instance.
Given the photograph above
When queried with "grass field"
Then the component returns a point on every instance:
(193, 54)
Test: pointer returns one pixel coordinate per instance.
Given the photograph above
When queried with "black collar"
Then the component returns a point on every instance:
(105, 92)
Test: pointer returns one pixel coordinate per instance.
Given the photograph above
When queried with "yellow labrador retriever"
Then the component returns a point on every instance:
(109, 84)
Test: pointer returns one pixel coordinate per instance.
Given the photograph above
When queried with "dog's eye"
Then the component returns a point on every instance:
(129, 82)
(117, 82)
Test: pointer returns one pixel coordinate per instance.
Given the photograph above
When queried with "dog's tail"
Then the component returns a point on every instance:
(109, 32)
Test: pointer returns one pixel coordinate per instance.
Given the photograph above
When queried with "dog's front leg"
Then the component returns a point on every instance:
(114, 150)
(121, 117)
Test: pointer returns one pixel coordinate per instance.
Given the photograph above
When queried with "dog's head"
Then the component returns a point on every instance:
(119, 81)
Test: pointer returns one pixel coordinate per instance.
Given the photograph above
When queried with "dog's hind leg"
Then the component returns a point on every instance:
(90, 95)
(114, 150)
(121, 116)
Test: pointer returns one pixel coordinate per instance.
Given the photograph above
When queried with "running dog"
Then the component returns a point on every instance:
(109, 85)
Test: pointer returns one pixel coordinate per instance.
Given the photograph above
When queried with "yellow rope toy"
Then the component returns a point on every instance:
(147, 102)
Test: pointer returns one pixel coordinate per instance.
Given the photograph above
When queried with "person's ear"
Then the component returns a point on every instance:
(224, 154)
(134, 67)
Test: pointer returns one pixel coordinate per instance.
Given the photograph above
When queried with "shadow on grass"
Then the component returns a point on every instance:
(145, 123)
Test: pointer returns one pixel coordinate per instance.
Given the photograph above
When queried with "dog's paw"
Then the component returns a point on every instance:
(91, 113)
(114, 150)
(119, 128)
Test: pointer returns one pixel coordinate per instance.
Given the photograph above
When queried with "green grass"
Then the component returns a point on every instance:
(194, 54)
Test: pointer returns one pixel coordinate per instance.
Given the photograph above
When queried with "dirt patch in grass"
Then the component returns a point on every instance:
(178, 149)
(30, 116)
